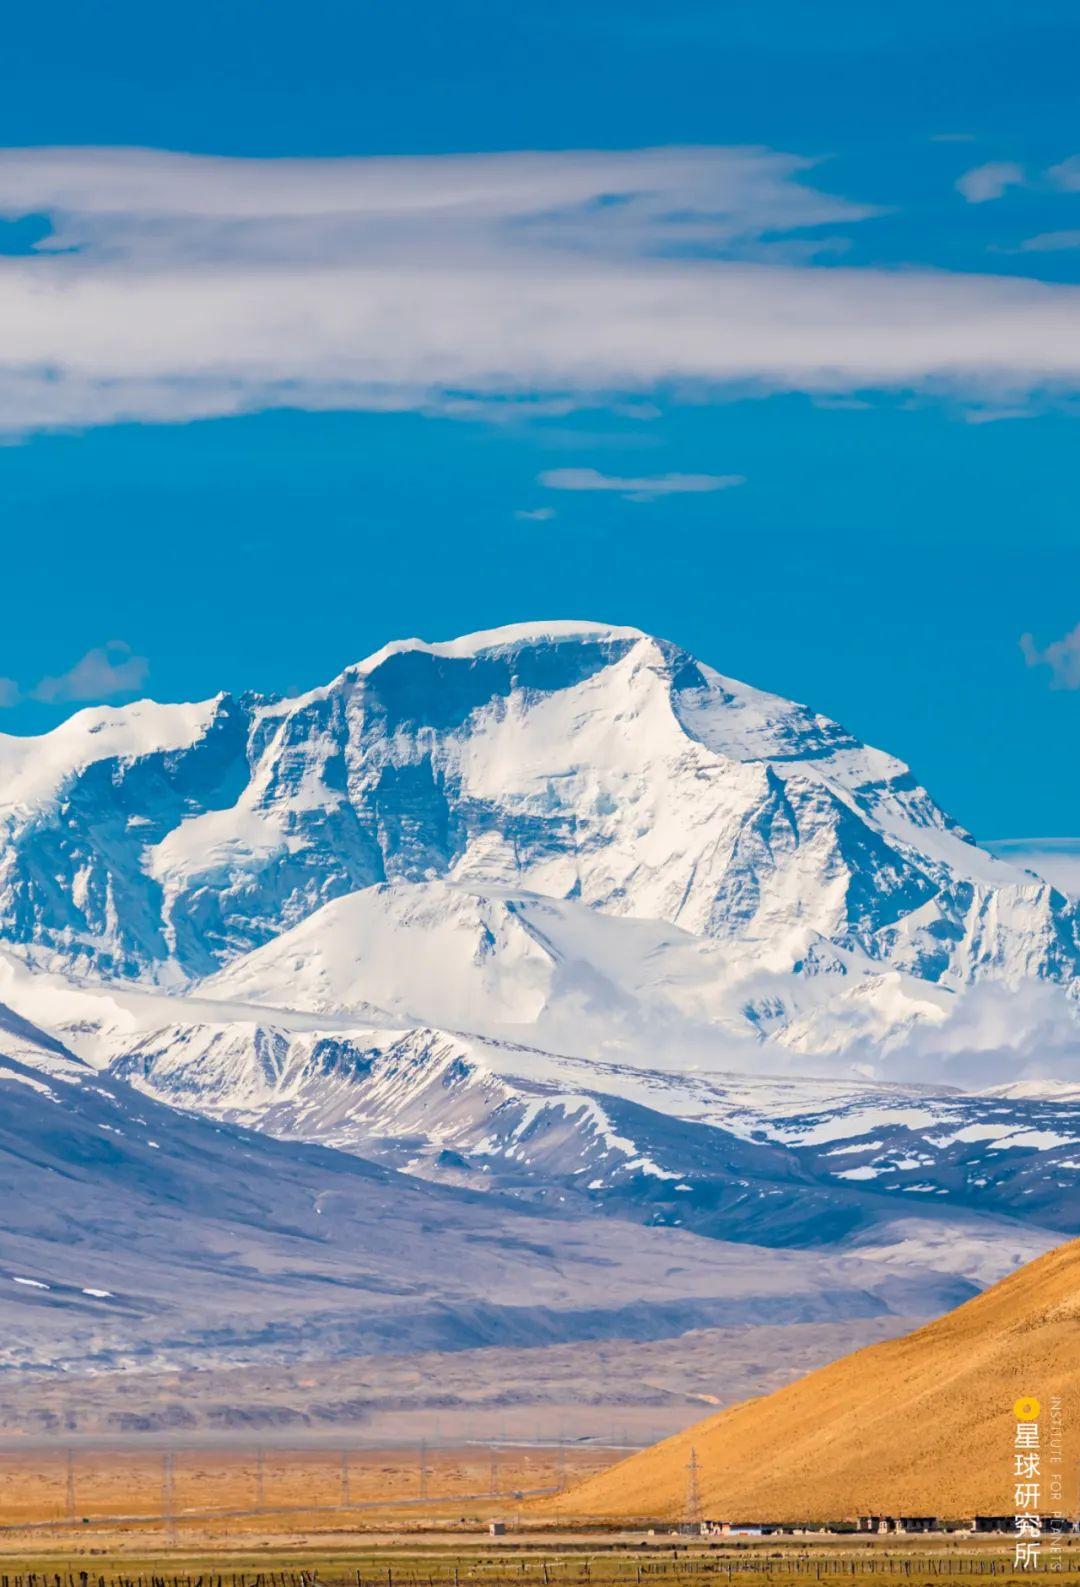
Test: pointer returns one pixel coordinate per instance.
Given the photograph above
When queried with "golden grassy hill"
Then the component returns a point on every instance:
(921, 1425)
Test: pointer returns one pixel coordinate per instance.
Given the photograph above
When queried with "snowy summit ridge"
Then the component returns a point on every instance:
(511, 636)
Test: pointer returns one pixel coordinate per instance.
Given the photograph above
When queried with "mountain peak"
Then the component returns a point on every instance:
(573, 759)
(511, 636)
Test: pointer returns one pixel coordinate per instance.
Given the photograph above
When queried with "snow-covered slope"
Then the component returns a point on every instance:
(572, 760)
(782, 1162)
(514, 965)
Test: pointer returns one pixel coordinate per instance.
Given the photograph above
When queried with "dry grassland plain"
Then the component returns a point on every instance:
(214, 1534)
(47, 1495)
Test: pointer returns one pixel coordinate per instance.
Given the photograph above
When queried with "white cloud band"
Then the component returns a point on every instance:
(173, 287)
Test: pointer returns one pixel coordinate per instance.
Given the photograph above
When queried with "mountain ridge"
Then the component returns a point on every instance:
(919, 1425)
(141, 1235)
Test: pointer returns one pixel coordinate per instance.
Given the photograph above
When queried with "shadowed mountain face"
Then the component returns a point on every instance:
(135, 1234)
(786, 1163)
(922, 1425)
(552, 928)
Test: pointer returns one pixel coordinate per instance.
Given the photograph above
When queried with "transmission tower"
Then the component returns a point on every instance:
(423, 1469)
(345, 1498)
(71, 1485)
(494, 1481)
(693, 1491)
(168, 1496)
(260, 1479)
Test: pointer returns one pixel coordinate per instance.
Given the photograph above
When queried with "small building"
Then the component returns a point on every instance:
(712, 1528)
(993, 1523)
(496, 1528)
(884, 1524)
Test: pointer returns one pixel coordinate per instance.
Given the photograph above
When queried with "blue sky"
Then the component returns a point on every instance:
(263, 417)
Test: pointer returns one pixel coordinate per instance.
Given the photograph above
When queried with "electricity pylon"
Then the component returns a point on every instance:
(693, 1491)
(168, 1496)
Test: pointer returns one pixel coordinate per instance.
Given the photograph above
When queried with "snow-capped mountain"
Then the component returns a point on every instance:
(575, 761)
(557, 914)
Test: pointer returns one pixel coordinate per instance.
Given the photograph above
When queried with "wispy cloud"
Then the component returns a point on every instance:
(1057, 860)
(1050, 242)
(1066, 173)
(535, 514)
(175, 286)
(1062, 657)
(998, 414)
(645, 487)
(145, 204)
(102, 673)
(989, 181)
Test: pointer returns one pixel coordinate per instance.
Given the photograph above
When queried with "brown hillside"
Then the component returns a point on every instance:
(922, 1425)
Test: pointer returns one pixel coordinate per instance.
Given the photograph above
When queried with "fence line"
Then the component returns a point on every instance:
(555, 1572)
